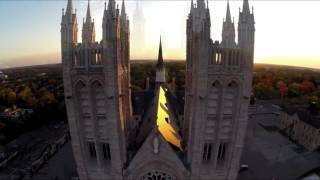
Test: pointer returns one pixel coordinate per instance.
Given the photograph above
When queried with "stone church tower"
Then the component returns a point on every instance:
(218, 86)
(96, 79)
(116, 137)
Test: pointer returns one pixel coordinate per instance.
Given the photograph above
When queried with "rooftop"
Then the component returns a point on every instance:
(268, 153)
(166, 120)
(307, 114)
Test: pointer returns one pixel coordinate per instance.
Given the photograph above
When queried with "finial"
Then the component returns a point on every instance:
(207, 4)
(252, 9)
(62, 11)
(123, 9)
(105, 4)
(83, 20)
(192, 6)
(232, 19)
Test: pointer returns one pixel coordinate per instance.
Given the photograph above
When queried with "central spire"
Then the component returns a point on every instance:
(160, 74)
(160, 58)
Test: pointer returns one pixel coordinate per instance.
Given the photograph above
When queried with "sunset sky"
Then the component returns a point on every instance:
(287, 32)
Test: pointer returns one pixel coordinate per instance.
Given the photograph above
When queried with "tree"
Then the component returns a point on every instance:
(27, 97)
(294, 89)
(307, 86)
(7, 96)
(47, 98)
(282, 88)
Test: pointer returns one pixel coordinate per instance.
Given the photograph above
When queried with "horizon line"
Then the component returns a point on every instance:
(255, 63)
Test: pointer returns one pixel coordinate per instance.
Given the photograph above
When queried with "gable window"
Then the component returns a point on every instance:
(207, 148)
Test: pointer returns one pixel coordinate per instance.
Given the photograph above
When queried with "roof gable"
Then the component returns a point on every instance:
(156, 154)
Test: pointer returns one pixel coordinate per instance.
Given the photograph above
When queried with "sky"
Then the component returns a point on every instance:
(287, 32)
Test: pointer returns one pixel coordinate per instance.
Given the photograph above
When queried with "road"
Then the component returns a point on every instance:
(60, 167)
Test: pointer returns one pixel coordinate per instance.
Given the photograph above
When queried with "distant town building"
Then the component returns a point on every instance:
(149, 136)
(3, 76)
(16, 113)
(301, 125)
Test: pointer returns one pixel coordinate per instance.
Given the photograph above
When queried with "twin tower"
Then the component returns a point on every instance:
(110, 141)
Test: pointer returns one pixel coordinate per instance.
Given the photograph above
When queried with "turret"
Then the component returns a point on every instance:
(199, 17)
(109, 24)
(228, 31)
(69, 11)
(69, 33)
(201, 4)
(246, 28)
(124, 34)
(88, 29)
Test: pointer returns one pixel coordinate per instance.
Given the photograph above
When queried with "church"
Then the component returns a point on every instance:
(117, 133)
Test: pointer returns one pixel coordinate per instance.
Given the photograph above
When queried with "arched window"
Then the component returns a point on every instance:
(213, 97)
(99, 60)
(99, 107)
(75, 59)
(98, 97)
(82, 95)
(230, 98)
(96, 57)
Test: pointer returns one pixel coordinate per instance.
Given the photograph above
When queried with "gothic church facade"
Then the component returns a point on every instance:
(116, 135)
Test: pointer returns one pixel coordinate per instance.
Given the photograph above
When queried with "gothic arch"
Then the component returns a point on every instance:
(96, 81)
(99, 110)
(231, 95)
(233, 83)
(214, 96)
(216, 84)
(80, 83)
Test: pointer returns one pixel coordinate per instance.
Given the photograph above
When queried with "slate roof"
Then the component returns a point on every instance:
(304, 114)
(166, 122)
(140, 101)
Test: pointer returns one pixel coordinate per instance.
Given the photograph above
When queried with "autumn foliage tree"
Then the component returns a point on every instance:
(282, 88)
(307, 87)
